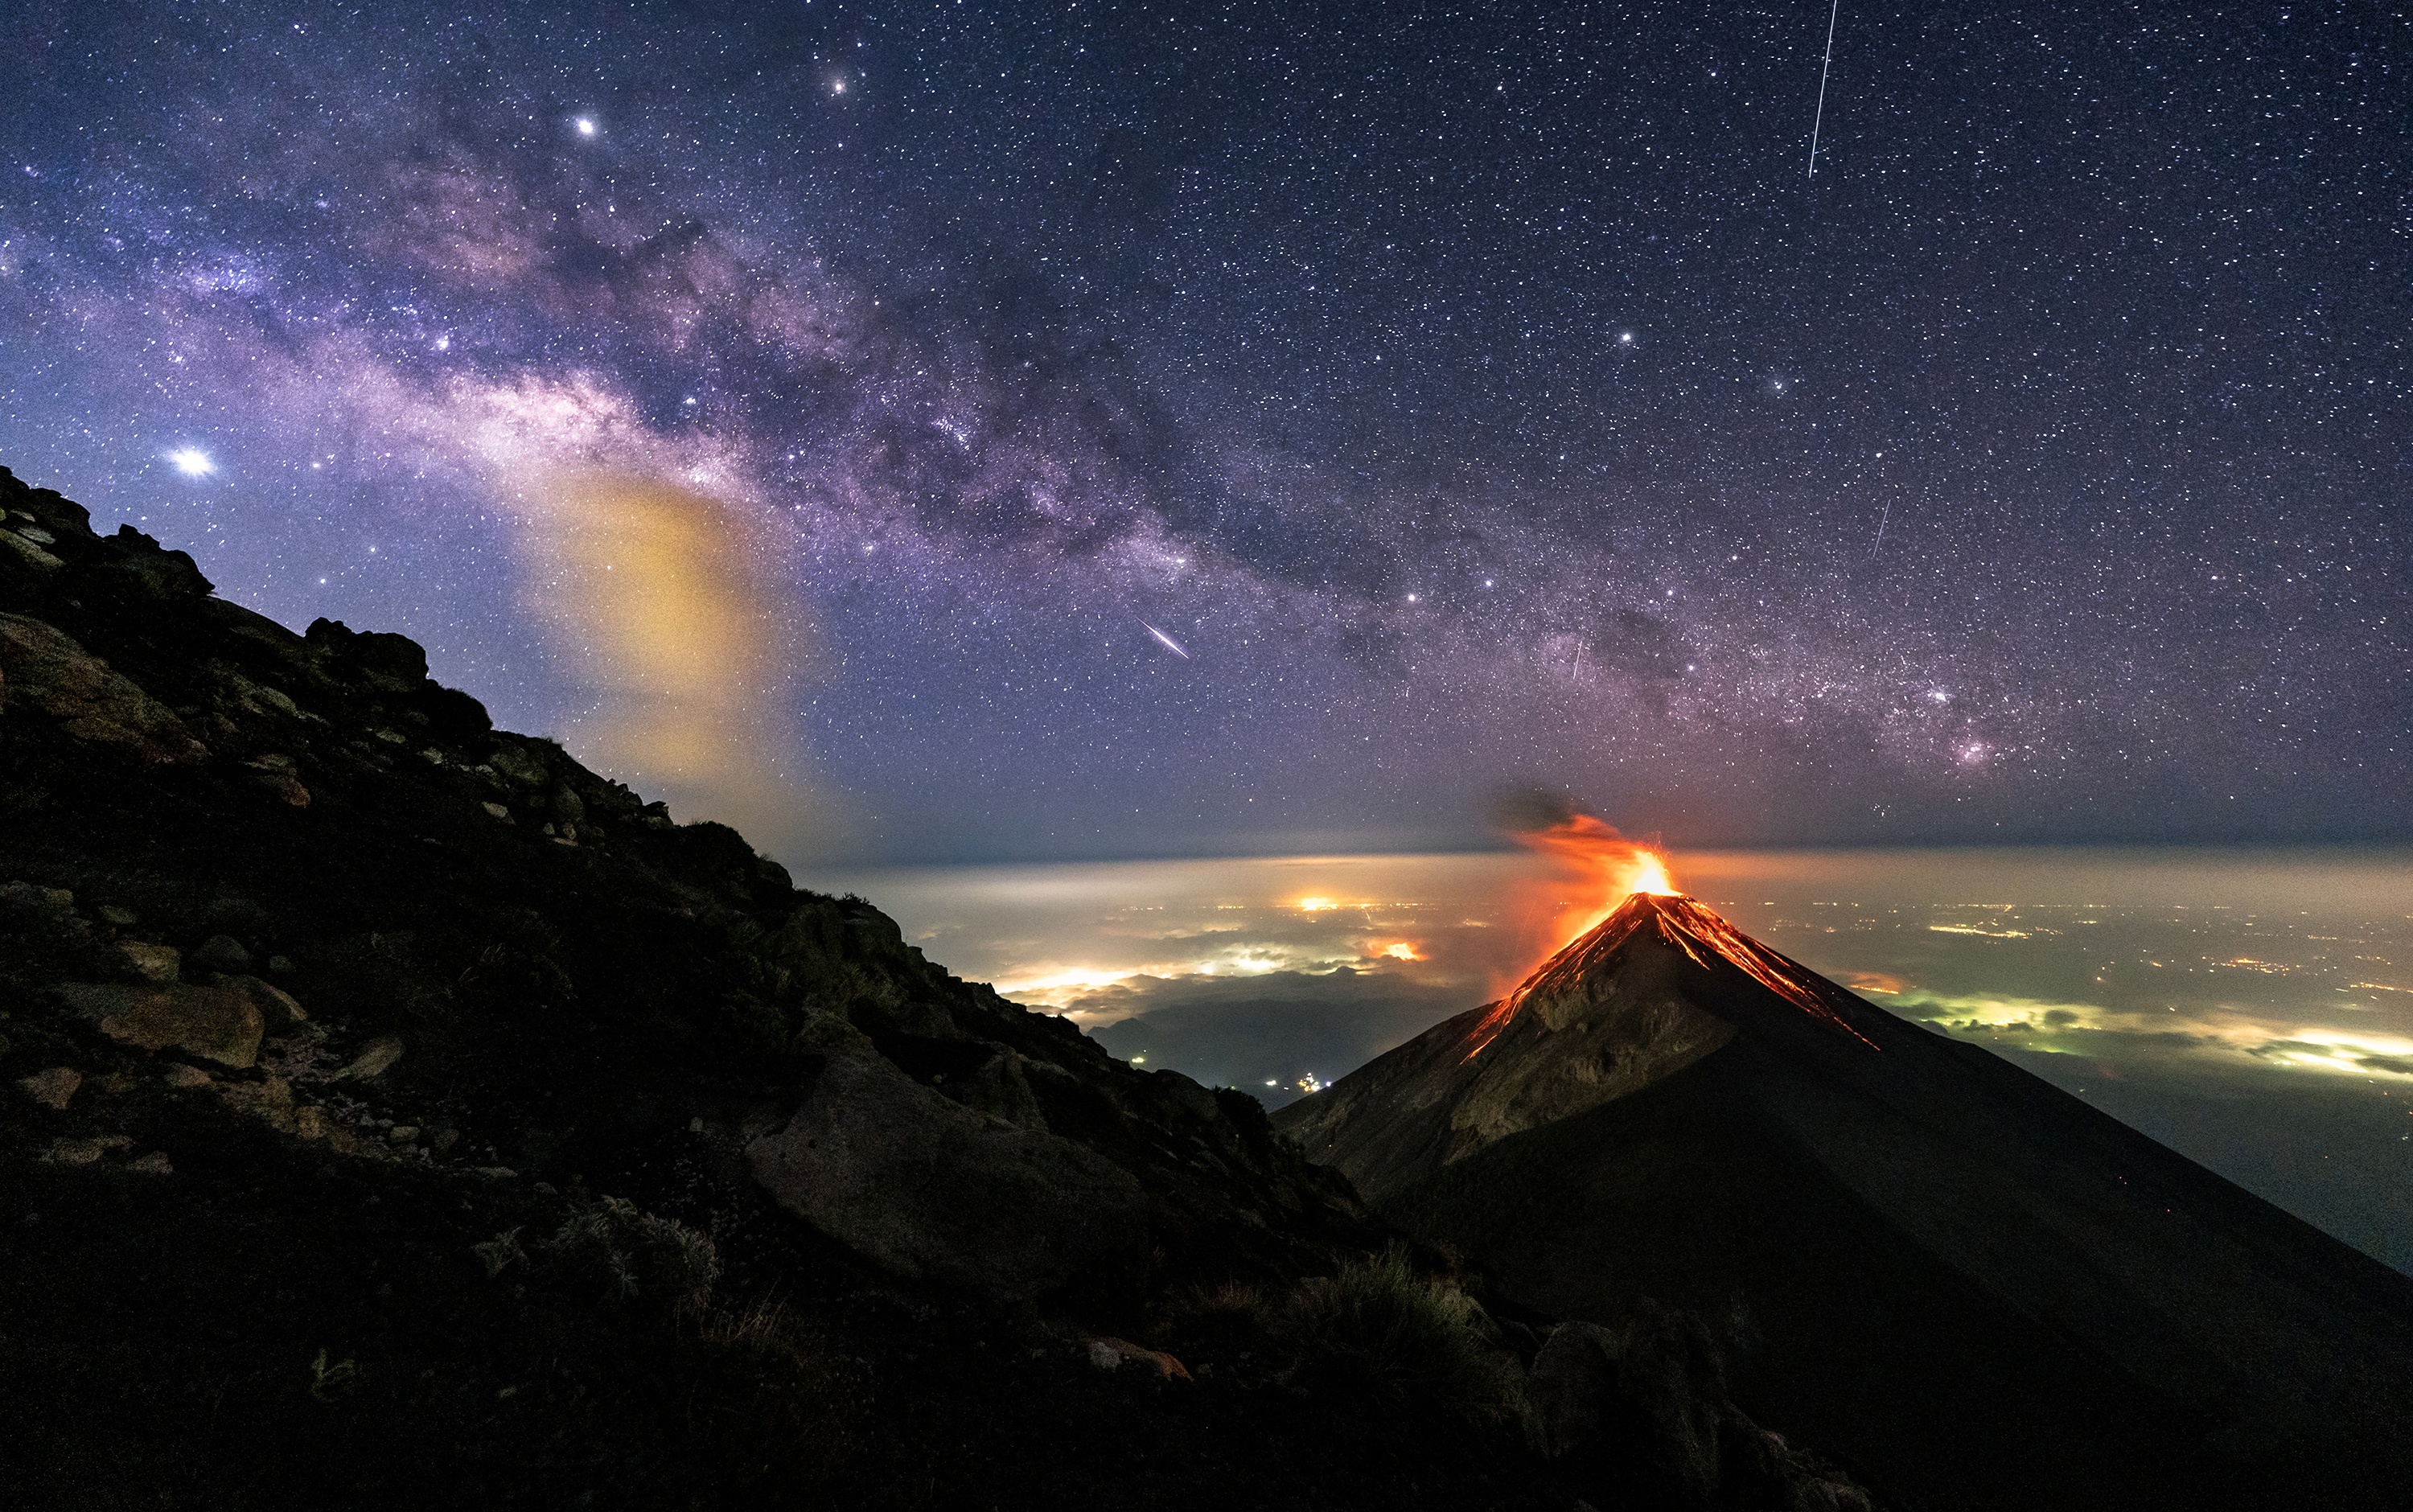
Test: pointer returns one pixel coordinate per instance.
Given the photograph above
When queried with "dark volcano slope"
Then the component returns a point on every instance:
(1976, 1290)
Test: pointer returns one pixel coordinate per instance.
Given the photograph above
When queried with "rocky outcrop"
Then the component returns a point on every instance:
(218, 1024)
(47, 674)
(933, 1189)
(315, 808)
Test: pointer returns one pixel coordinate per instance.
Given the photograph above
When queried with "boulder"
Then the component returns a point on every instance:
(215, 1023)
(42, 670)
(1649, 1405)
(1114, 1354)
(278, 1009)
(37, 900)
(374, 1059)
(931, 1189)
(53, 1087)
(147, 962)
(1570, 1387)
(222, 953)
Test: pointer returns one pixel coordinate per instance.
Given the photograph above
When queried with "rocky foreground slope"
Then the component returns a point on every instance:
(394, 1112)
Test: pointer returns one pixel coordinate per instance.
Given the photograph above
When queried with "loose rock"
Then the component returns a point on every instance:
(927, 1188)
(222, 953)
(1112, 1354)
(47, 671)
(374, 1059)
(213, 1023)
(147, 962)
(53, 1087)
(278, 1009)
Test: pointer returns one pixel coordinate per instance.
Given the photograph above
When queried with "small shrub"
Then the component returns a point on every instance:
(635, 1252)
(1394, 1340)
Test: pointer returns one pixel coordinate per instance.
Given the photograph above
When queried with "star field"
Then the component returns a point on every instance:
(1157, 430)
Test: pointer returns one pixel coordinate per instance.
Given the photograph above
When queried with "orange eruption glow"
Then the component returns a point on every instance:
(1599, 869)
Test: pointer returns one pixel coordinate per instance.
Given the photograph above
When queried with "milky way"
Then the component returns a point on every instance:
(1475, 397)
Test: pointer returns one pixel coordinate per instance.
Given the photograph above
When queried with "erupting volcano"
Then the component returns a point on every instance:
(1976, 1289)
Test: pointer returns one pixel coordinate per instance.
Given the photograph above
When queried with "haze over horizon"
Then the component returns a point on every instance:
(921, 433)
(2251, 1008)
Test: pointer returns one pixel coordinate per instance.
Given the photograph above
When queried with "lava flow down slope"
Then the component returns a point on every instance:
(1974, 1289)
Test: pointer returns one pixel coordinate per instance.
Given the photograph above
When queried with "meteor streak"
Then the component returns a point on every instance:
(1167, 641)
(1820, 119)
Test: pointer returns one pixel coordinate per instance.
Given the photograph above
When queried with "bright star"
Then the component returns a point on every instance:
(192, 462)
(585, 124)
(838, 87)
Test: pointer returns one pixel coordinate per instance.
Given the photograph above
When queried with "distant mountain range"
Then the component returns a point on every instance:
(1975, 1290)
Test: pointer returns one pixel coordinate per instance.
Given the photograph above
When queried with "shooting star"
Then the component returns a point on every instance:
(1820, 119)
(1167, 641)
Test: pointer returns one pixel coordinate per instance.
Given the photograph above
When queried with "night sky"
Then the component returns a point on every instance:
(950, 432)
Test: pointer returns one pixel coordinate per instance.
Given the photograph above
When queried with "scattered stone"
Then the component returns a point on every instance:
(310, 1122)
(45, 670)
(31, 551)
(154, 1164)
(1114, 1354)
(30, 897)
(518, 765)
(443, 1140)
(53, 1087)
(374, 1059)
(278, 1009)
(84, 1151)
(497, 810)
(270, 1100)
(222, 953)
(495, 1173)
(181, 1075)
(280, 965)
(148, 962)
(213, 1023)
(284, 786)
(121, 917)
(402, 1133)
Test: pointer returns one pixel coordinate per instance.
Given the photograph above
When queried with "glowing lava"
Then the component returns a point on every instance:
(1619, 890)
(1697, 930)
